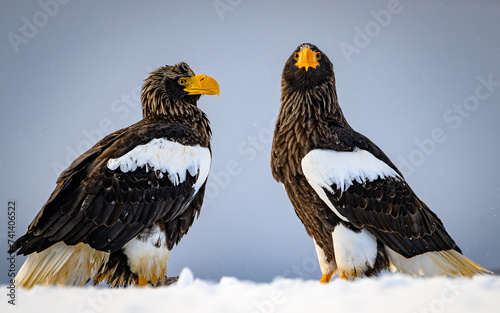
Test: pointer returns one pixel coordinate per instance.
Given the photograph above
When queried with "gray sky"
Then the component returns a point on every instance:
(419, 78)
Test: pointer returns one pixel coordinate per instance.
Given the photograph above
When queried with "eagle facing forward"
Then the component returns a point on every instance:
(352, 200)
(119, 208)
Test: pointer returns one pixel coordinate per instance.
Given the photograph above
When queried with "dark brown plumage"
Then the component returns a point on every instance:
(130, 198)
(350, 197)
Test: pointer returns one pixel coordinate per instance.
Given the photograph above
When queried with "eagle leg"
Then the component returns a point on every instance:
(325, 279)
(141, 281)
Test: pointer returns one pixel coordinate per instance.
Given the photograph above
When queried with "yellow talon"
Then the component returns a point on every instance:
(325, 279)
(141, 282)
(342, 276)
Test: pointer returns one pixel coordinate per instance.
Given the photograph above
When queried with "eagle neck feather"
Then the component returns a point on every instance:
(157, 105)
(303, 124)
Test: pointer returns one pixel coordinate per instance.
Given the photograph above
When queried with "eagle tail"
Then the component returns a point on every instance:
(445, 262)
(61, 264)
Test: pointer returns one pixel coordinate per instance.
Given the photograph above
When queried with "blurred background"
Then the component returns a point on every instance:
(420, 78)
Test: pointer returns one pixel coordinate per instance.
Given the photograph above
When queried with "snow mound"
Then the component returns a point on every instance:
(387, 293)
(186, 277)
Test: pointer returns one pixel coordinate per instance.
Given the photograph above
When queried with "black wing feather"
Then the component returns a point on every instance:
(389, 208)
(178, 227)
(106, 209)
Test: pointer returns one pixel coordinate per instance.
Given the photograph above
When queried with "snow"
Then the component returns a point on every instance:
(386, 293)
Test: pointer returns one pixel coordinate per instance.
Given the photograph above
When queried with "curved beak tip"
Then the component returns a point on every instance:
(202, 85)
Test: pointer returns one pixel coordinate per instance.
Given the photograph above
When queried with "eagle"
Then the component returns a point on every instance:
(352, 200)
(119, 208)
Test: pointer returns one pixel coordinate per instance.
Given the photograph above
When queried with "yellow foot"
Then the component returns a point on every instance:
(325, 279)
(141, 282)
(342, 276)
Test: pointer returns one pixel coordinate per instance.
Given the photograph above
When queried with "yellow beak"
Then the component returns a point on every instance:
(307, 58)
(201, 85)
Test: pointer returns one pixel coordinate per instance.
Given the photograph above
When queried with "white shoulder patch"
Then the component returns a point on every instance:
(328, 167)
(324, 168)
(167, 157)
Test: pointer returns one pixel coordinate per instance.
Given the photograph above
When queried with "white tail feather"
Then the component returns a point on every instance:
(445, 262)
(62, 265)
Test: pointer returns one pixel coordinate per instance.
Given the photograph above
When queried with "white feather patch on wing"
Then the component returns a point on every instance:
(165, 156)
(62, 265)
(445, 262)
(324, 168)
(354, 252)
(147, 257)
